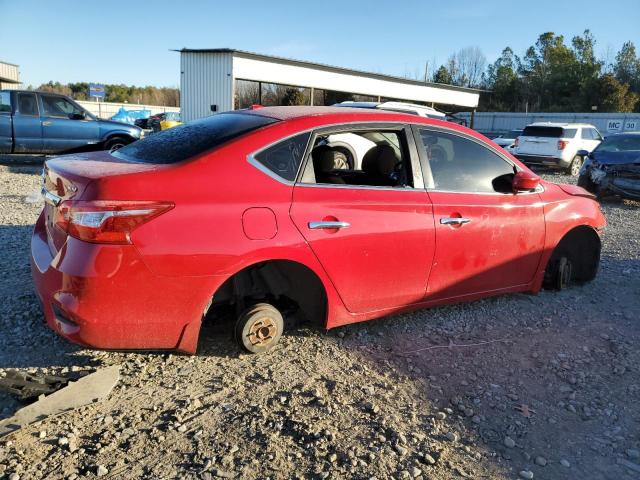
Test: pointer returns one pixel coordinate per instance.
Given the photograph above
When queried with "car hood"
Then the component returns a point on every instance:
(616, 158)
(113, 123)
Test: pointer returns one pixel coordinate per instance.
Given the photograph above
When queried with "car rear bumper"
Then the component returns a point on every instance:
(104, 296)
(542, 160)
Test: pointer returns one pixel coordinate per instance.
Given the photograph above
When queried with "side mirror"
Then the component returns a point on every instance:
(524, 181)
(583, 153)
(77, 116)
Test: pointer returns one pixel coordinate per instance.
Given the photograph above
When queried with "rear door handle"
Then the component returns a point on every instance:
(454, 221)
(328, 225)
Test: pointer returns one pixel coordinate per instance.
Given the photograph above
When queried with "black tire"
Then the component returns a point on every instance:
(115, 143)
(574, 167)
(259, 328)
(585, 182)
(559, 272)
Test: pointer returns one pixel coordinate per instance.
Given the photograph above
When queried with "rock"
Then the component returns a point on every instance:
(526, 474)
(541, 461)
(333, 458)
(565, 463)
(441, 416)
(452, 436)
(222, 473)
(101, 471)
(182, 428)
(62, 441)
(509, 442)
(429, 459)
(14, 476)
(43, 434)
(415, 472)
(400, 449)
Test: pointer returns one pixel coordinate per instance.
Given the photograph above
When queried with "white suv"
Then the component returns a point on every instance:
(556, 144)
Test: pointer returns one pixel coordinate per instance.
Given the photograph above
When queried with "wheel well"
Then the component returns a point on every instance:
(290, 286)
(581, 246)
(124, 136)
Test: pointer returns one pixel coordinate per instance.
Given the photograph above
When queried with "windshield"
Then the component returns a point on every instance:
(620, 144)
(191, 139)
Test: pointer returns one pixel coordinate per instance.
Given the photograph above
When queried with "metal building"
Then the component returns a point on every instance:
(9, 76)
(223, 79)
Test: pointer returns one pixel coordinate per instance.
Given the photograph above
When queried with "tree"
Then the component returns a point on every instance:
(443, 76)
(293, 96)
(627, 66)
(614, 96)
(502, 80)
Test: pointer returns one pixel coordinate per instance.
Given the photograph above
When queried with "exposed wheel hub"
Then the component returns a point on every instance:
(262, 331)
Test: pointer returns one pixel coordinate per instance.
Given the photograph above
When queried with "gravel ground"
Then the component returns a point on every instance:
(544, 386)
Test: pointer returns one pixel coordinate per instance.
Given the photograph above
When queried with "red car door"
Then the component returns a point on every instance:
(373, 236)
(487, 238)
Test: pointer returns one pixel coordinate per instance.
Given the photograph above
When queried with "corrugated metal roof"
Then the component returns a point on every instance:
(323, 66)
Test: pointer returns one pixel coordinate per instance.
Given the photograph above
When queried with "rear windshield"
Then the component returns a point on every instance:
(553, 132)
(188, 140)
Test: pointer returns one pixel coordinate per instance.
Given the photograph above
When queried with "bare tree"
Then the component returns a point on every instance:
(466, 66)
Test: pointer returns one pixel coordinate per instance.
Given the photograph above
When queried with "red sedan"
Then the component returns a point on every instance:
(334, 214)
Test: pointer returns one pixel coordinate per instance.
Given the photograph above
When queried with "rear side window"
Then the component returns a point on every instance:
(551, 132)
(5, 102)
(569, 132)
(284, 158)
(191, 139)
(27, 104)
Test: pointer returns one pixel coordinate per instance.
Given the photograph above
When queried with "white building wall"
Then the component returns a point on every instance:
(301, 76)
(205, 79)
(108, 109)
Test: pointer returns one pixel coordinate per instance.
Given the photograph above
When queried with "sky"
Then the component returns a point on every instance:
(130, 41)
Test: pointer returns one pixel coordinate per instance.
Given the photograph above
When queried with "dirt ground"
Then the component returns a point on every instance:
(517, 386)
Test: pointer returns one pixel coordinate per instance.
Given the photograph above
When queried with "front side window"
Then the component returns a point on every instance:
(376, 158)
(55, 106)
(5, 102)
(27, 104)
(284, 158)
(459, 164)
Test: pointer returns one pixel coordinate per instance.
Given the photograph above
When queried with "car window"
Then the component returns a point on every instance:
(620, 143)
(376, 158)
(55, 106)
(595, 134)
(27, 104)
(460, 164)
(569, 132)
(585, 134)
(284, 158)
(191, 139)
(538, 131)
(5, 102)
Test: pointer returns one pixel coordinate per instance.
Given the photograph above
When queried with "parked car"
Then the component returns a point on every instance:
(508, 140)
(41, 122)
(556, 145)
(420, 110)
(170, 120)
(239, 214)
(613, 167)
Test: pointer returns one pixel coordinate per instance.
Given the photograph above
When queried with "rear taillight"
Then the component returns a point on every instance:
(562, 144)
(106, 221)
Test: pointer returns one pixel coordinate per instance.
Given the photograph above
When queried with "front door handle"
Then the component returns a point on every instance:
(46, 123)
(328, 225)
(454, 221)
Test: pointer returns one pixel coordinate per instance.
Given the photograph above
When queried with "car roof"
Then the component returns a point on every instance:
(559, 124)
(290, 113)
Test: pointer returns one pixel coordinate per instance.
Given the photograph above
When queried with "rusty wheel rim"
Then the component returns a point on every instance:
(262, 331)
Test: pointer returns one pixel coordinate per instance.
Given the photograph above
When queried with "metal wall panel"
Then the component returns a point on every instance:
(108, 109)
(9, 72)
(495, 123)
(205, 79)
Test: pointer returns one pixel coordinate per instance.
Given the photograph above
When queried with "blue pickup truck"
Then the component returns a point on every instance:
(42, 122)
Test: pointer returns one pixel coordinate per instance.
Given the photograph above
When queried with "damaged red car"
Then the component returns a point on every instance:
(334, 214)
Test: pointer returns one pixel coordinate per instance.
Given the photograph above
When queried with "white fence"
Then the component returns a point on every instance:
(107, 109)
(495, 123)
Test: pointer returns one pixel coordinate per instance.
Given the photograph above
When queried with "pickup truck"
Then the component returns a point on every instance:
(42, 122)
